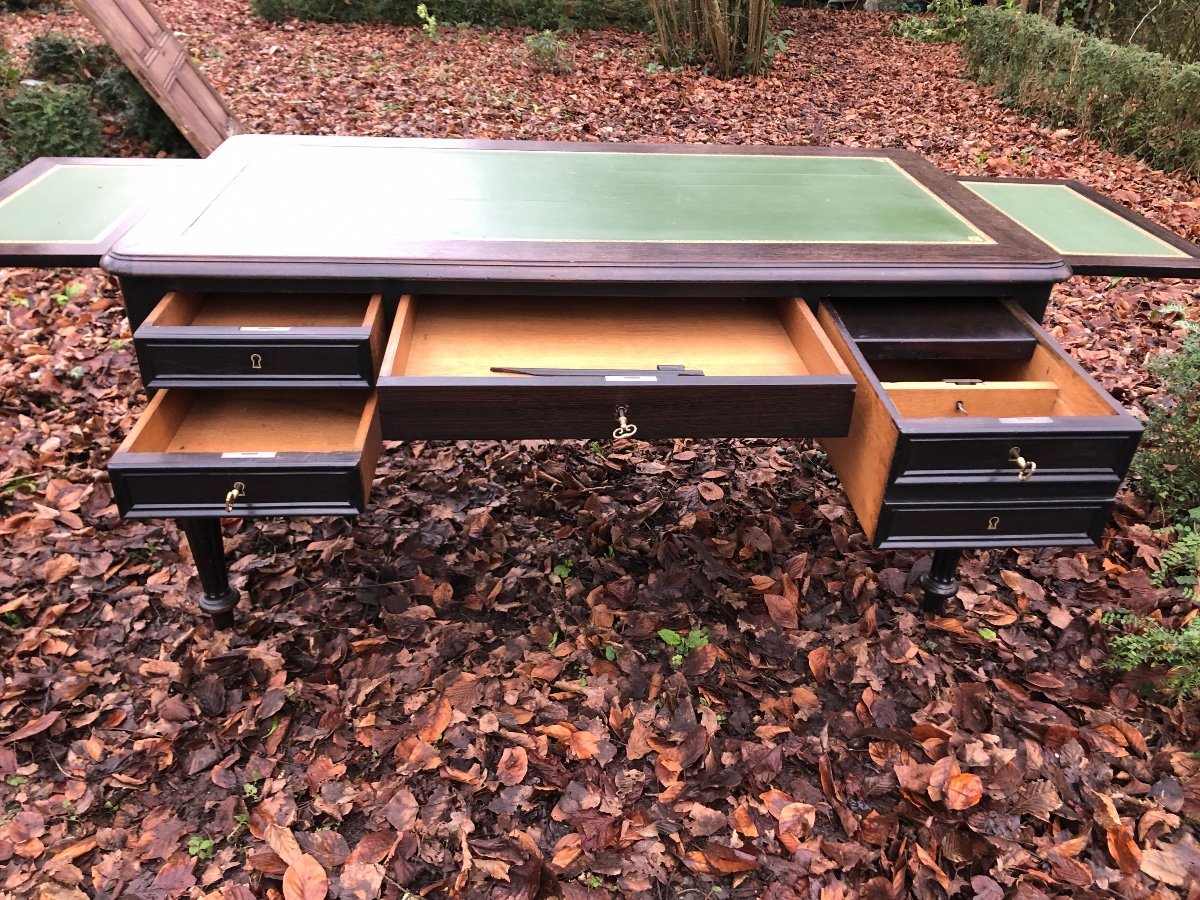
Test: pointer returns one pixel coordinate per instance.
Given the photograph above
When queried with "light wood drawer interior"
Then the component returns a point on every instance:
(471, 336)
(251, 312)
(253, 421)
(570, 367)
(249, 453)
(1044, 385)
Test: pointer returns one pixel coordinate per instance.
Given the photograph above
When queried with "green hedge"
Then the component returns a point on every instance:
(538, 14)
(47, 121)
(1131, 99)
(83, 85)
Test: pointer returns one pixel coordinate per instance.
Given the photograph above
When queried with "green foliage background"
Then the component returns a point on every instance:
(1168, 464)
(62, 117)
(1131, 99)
(1170, 27)
(49, 121)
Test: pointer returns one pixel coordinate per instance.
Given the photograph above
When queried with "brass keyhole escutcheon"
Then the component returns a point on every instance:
(239, 490)
(256, 360)
(624, 428)
(1025, 467)
(993, 523)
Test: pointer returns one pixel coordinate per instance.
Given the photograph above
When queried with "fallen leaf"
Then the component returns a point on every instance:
(513, 765)
(283, 842)
(305, 880)
(1176, 864)
(34, 727)
(818, 662)
(361, 881)
(583, 745)
(59, 567)
(433, 719)
(963, 791)
(784, 610)
(1124, 849)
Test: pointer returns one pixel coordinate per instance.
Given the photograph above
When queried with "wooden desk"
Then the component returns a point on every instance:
(297, 301)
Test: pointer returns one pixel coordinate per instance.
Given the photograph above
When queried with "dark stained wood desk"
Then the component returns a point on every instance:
(297, 301)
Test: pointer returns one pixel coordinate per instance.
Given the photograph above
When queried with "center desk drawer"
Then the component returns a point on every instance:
(248, 453)
(767, 369)
(261, 340)
(1015, 445)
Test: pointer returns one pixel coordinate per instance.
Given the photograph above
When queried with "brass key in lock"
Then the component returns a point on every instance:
(239, 490)
(624, 428)
(1025, 467)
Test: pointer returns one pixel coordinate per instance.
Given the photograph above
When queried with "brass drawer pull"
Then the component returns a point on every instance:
(1025, 468)
(239, 490)
(624, 428)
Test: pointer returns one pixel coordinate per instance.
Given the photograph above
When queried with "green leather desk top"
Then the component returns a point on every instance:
(73, 204)
(1071, 223)
(69, 211)
(290, 207)
(285, 206)
(414, 193)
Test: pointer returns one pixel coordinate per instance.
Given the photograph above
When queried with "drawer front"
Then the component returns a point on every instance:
(1107, 453)
(701, 407)
(175, 489)
(1047, 524)
(232, 362)
(988, 485)
(248, 453)
(939, 439)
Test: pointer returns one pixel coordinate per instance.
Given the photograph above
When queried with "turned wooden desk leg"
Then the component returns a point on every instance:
(940, 583)
(208, 549)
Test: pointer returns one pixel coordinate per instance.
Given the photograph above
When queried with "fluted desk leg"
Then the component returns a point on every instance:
(941, 582)
(208, 549)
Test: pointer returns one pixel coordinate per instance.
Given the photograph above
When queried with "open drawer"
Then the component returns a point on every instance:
(248, 453)
(1014, 447)
(672, 367)
(261, 340)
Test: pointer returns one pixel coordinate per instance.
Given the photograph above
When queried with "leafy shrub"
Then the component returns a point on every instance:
(1180, 562)
(430, 23)
(53, 55)
(121, 94)
(539, 14)
(550, 53)
(49, 121)
(1147, 643)
(948, 23)
(334, 10)
(632, 15)
(1170, 27)
(1168, 464)
(8, 72)
(20, 5)
(62, 119)
(1131, 99)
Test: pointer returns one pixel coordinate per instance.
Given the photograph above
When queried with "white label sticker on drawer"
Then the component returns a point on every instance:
(1028, 420)
(271, 328)
(249, 454)
(631, 378)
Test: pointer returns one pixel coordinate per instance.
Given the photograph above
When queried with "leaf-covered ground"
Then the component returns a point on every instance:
(465, 692)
